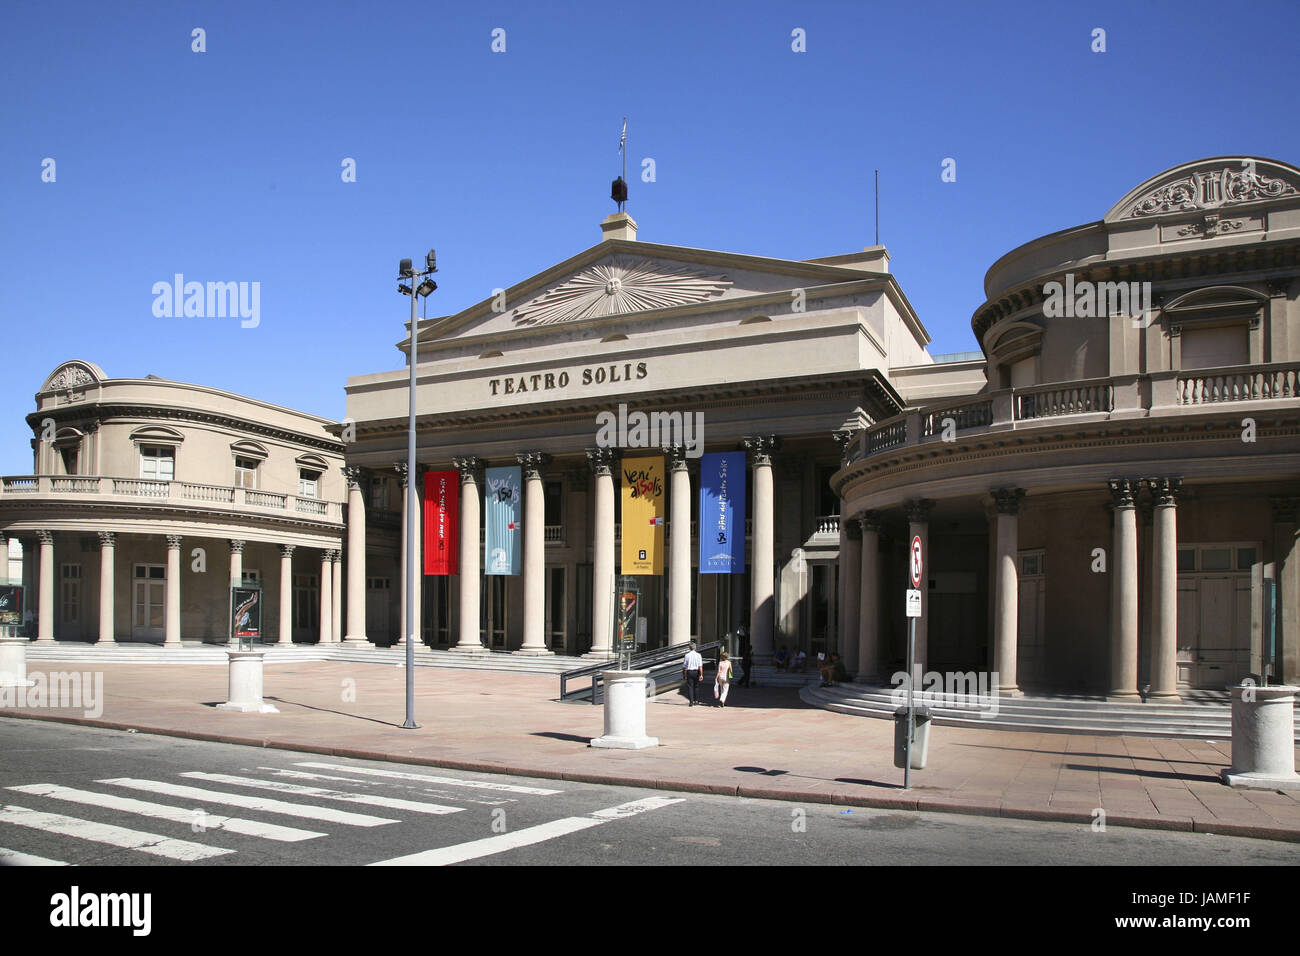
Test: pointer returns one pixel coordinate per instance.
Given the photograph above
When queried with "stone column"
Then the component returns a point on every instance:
(918, 525)
(286, 594)
(851, 575)
(869, 599)
(336, 594)
(534, 643)
(1124, 591)
(172, 634)
(400, 468)
(326, 599)
(679, 547)
(470, 509)
(762, 617)
(356, 633)
(236, 563)
(45, 601)
(1286, 562)
(107, 540)
(602, 584)
(1006, 616)
(1164, 610)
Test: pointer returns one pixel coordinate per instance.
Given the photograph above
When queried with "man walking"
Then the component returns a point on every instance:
(692, 671)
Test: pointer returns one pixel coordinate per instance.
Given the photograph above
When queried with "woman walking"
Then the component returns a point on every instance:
(722, 683)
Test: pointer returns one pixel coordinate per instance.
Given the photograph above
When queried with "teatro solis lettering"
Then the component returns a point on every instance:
(545, 381)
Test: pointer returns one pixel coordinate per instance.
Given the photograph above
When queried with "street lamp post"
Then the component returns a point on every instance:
(406, 271)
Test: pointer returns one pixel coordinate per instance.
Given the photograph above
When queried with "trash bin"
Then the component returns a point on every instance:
(920, 740)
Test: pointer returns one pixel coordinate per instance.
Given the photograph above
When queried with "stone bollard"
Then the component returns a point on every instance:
(625, 711)
(1263, 738)
(13, 660)
(246, 683)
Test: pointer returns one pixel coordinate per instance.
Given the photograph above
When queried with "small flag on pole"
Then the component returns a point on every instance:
(622, 140)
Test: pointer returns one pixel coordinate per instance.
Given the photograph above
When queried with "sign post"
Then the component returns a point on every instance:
(915, 567)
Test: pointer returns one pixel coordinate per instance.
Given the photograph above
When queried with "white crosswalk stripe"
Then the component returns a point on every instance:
(151, 843)
(427, 778)
(307, 811)
(528, 836)
(268, 831)
(389, 803)
(14, 858)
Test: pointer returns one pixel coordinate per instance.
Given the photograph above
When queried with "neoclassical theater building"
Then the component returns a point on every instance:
(1106, 492)
(149, 497)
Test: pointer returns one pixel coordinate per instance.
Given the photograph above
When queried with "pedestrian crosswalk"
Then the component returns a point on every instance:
(287, 805)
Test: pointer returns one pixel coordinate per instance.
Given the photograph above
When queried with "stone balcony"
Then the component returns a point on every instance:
(1150, 395)
(57, 491)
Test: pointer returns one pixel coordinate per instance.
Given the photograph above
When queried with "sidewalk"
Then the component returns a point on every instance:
(766, 743)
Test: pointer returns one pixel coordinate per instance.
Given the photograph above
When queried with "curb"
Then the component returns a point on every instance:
(895, 801)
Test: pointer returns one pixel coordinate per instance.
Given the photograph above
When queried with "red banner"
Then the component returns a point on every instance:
(441, 522)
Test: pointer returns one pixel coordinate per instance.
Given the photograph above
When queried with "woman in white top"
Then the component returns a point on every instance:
(722, 683)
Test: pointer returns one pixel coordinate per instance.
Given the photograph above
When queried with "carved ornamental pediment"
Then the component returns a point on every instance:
(618, 286)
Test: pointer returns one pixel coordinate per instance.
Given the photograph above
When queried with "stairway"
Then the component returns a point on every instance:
(1201, 714)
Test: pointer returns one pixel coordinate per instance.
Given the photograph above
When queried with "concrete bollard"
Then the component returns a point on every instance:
(625, 711)
(1263, 738)
(245, 691)
(13, 660)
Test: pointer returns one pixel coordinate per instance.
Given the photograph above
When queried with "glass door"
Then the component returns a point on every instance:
(149, 602)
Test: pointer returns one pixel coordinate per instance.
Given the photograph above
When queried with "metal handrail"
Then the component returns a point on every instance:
(646, 660)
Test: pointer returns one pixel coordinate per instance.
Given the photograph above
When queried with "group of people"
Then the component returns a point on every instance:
(693, 673)
(831, 668)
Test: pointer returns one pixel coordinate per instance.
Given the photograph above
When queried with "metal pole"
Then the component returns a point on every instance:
(412, 497)
(911, 707)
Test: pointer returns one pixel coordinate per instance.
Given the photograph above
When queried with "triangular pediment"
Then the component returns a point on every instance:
(625, 278)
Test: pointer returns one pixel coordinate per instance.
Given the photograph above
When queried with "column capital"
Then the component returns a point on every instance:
(286, 550)
(602, 460)
(173, 542)
(533, 462)
(1123, 492)
(1007, 500)
(353, 474)
(1165, 491)
(1277, 287)
(918, 510)
(677, 458)
(236, 546)
(468, 468)
(333, 555)
(1284, 509)
(45, 537)
(107, 539)
(400, 468)
(871, 522)
(762, 447)
(843, 437)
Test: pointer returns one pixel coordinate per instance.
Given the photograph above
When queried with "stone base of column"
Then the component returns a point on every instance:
(1124, 697)
(13, 662)
(357, 639)
(467, 649)
(534, 652)
(44, 640)
(625, 712)
(1165, 697)
(1011, 691)
(246, 684)
(1263, 738)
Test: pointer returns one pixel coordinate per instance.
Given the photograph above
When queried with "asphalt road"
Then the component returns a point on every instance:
(85, 796)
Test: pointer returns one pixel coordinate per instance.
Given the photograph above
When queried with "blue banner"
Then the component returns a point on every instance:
(504, 538)
(722, 513)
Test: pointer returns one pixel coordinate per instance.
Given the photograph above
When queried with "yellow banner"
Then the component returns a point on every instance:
(643, 515)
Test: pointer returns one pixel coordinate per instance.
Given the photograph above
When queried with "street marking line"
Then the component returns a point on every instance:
(388, 803)
(14, 858)
(302, 775)
(426, 778)
(326, 814)
(267, 831)
(444, 856)
(151, 843)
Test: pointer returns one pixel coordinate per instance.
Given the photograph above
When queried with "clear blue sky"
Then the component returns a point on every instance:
(225, 165)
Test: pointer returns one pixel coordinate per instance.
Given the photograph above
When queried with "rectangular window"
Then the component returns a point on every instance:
(70, 593)
(1245, 558)
(1216, 559)
(1186, 559)
(308, 482)
(157, 463)
(379, 494)
(306, 602)
(246, 472)
(554, 491)
(69, 456)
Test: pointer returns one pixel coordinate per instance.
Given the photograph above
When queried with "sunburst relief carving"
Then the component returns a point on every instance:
(620, 286)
